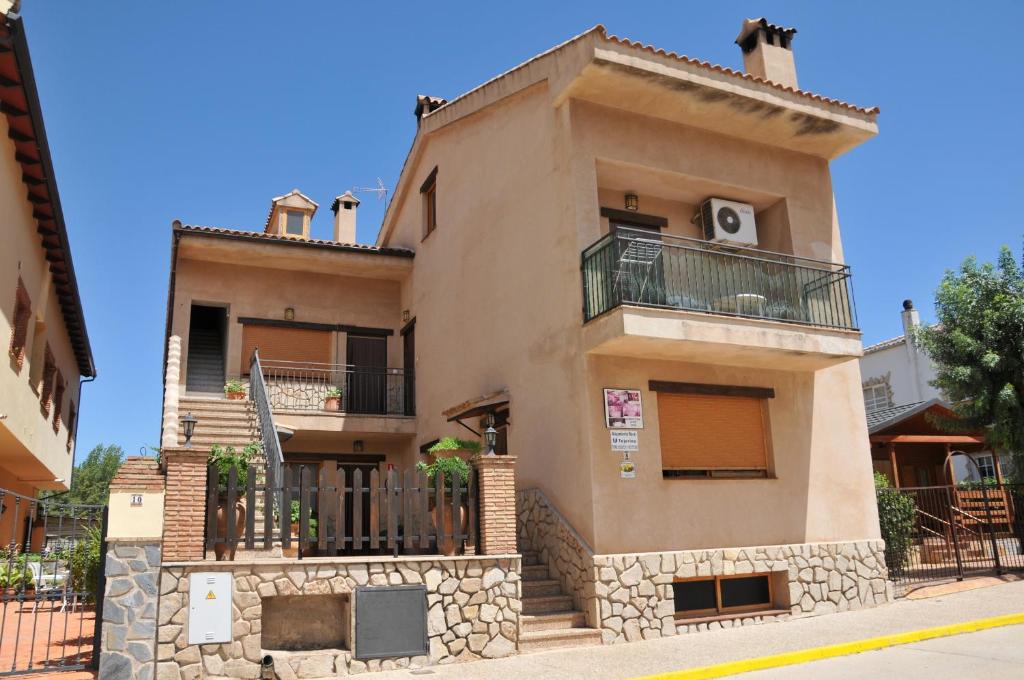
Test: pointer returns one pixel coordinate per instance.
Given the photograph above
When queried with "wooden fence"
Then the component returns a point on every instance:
(340, 512)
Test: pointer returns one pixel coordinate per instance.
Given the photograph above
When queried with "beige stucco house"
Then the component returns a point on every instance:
(625, 261)
(41, 320)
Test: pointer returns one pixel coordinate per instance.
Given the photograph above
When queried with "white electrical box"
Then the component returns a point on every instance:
(209, 609)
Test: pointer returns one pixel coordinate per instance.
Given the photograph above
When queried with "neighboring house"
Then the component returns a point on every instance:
(539, 271)
(896, 376)
(41, 320)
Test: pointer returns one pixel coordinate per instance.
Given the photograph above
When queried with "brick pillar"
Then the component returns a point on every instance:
(184, 503)
(496, 484)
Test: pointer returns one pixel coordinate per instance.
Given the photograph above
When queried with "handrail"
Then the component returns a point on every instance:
(265, 419)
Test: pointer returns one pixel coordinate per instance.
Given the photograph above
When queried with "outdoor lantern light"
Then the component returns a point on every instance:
(491, 435)
(289, 314)
(632, 201)
(189, 423)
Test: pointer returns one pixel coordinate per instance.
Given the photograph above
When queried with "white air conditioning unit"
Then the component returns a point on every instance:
(727, 222)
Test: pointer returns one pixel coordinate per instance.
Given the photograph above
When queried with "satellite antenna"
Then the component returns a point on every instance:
(380, 190)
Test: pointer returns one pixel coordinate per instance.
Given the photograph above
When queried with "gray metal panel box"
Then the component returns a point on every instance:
(390, 621)
(209, 608)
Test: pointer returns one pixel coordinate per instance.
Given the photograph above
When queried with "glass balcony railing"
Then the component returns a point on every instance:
(644, 268)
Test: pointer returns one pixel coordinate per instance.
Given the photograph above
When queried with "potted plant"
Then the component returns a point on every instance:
(234, 389)
(332, 402)
(453, 446)
(15, 576)
(226, 458)
(456, 471)
(295, 516)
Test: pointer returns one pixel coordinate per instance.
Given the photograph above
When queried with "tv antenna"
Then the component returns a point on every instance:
(380, 190)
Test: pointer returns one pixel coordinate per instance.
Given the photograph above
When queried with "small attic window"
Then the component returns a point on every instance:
(294, 222)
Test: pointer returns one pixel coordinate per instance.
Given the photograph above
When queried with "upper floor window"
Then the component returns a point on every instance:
(22, 316)
(294, 222)
(58, 401)
(46, 382)
(986, 465)
(429, 192)
(876, 397)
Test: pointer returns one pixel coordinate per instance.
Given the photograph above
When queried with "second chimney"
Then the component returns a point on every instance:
(344, 208)
(768, 51)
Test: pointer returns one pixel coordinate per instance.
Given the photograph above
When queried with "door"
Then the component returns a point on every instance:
(409, 366)
(205, 370)
(367, 374)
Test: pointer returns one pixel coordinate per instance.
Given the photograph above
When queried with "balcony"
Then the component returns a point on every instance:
(643, 292)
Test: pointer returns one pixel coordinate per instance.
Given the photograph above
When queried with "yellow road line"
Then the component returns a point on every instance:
(829, 651)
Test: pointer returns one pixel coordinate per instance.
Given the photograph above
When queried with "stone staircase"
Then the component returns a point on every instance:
(219, 421)
(549, 619)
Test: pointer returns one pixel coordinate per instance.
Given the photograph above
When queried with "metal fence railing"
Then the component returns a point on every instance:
(345, 388)
(949, 532)
(638, 267)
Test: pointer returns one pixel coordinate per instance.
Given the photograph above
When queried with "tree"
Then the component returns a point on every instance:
(977, 346)
(90, 482)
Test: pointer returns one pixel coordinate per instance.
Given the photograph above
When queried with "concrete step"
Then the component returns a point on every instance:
(550, 639)
(548, 604)
(559, 621)
(541, 588)
(536, 572)
(214, 403)
(530, 559)
(218, 418)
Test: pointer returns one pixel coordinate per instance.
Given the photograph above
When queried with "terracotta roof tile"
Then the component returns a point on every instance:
(277, 238)
(885, 344)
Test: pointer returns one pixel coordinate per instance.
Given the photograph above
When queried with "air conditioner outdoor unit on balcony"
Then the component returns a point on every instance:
(727, 222)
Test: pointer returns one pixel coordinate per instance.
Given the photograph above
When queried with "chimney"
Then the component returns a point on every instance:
(426, 104)
(344, 208)
(768, 51)
(911, 320)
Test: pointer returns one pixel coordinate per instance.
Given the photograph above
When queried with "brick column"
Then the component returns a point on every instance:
(185, 503)
(496, 484)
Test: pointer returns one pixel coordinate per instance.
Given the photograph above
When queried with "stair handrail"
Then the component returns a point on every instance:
(265, 420)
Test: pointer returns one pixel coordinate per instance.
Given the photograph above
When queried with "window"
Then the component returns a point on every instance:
(713, 430)
(46, 382)
(58, 402)
(72, 415)
(876, 397)
(986, 465)
(429, 192)
(304, 346)
(19, 333)
(294, 222)
(716, 595)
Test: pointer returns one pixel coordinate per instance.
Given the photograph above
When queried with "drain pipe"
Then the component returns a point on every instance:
(267, 667)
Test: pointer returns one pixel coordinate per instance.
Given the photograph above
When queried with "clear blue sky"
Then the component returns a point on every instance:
(205, 110)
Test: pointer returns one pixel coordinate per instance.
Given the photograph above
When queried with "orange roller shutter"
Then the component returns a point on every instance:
(285, 344)
(709, 432)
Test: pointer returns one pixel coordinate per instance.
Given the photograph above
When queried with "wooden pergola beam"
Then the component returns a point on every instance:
(926, 439)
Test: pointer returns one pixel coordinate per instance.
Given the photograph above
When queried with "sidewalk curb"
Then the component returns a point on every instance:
(842, 649)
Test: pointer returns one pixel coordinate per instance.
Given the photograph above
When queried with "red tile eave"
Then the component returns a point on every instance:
(19, 102)
(263, 237)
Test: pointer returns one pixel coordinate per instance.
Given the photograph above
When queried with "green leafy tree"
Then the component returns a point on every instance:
(896, 513)
(90, 482)
(978, 349)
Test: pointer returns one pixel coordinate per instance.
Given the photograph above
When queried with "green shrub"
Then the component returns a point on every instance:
(975, 485)
(225, 458)
(455, 444)
(451, 467)
(896, 514)
(85, 562)
(234, 386)
(14, 574)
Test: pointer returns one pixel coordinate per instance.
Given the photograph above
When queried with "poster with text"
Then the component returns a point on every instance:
(622, 409)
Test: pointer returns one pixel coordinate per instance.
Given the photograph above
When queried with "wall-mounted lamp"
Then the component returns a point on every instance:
(289, 314)
(490, 434)
(189, 425)
(632, 201)
(357, 446)
(405, 315)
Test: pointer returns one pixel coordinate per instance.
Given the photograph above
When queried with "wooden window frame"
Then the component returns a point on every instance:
(288, 212)
(58, 400)
(720, 610)
(19, 329)
(429, 192)
(723, 473)
(46, 381)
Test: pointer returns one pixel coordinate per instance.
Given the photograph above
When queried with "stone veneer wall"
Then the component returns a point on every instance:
(130, 610)
(474, 607)
(543, 530)
(634, 592)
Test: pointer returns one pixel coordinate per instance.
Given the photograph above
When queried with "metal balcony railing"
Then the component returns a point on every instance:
(638, 267)
(304, 386)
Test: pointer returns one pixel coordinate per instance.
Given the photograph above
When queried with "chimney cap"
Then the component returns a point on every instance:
(426, 104)
(908, 304)
(346, 197)
(779, 36)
